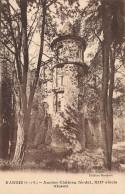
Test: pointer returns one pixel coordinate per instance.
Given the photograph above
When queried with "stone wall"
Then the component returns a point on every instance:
(92, 133)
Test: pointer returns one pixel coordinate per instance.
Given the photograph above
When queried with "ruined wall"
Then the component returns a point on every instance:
(93, 137)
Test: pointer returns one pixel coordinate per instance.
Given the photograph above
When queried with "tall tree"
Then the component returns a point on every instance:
(21, 23)
(6, 109)
(17, 21)
(111, 11)
(105, 22)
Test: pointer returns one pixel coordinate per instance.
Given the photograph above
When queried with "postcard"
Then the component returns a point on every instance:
(62, 113)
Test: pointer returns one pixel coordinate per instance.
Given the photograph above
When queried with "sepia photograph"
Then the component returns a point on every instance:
(62, 96)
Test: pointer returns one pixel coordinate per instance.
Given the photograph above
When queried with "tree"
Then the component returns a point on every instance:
(19, 38)
(6, 105)
(19, 29)
(110, 13)
(107, 18)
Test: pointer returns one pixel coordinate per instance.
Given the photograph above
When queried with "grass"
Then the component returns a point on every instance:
(46, 158)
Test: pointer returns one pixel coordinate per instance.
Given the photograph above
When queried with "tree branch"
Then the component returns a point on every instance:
(51, 2)
(119, 67)
(48, 43)
(7, 39)
(32, 35)
(97, 37)
(7, 47)
(32, 25)
(15, 44)
(47, 56)
(39, 59)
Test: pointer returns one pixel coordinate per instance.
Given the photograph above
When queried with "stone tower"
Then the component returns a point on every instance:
(69, 72)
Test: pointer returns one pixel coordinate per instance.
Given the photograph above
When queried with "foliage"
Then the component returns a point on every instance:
(21, 24)
(84, 161)
(69, 132)
(7, 117)
(103, 21)
(92, 86)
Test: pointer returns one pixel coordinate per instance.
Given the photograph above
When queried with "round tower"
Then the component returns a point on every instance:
(69, 72)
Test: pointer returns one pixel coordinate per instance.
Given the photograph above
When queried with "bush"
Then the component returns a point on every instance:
(84, 161)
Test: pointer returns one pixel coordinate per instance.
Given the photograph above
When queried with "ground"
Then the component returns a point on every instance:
(45, 158)
(118, 158)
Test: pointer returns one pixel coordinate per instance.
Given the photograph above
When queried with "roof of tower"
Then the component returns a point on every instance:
(67, 28)
(68, 33)
(64, 37)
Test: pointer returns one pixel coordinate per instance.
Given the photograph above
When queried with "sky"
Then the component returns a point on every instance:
(36, 38)
(89, 49)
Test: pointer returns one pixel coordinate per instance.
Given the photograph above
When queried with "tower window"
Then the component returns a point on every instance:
(45, 73)
(80, 53)
(45, 89)
(80, 101)
(59, 51)
(59, 76)
(59, 102)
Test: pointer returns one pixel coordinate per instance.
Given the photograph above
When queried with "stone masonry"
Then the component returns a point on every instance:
(63, 80)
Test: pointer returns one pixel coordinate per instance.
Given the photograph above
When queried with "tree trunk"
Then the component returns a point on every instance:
(24, 106)
(19, 150)
(109, 104)
(105, 126)
(6, 109)
(23, 120)
(104, 106)
(21, 100)
(0, 85)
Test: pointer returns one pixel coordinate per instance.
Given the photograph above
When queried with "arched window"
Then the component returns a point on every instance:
(59, 76)
(60, 102)
(80, 53)
(59, 51)
(45, 92)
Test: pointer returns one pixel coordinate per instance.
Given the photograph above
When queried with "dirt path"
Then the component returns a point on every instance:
(118, 158)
